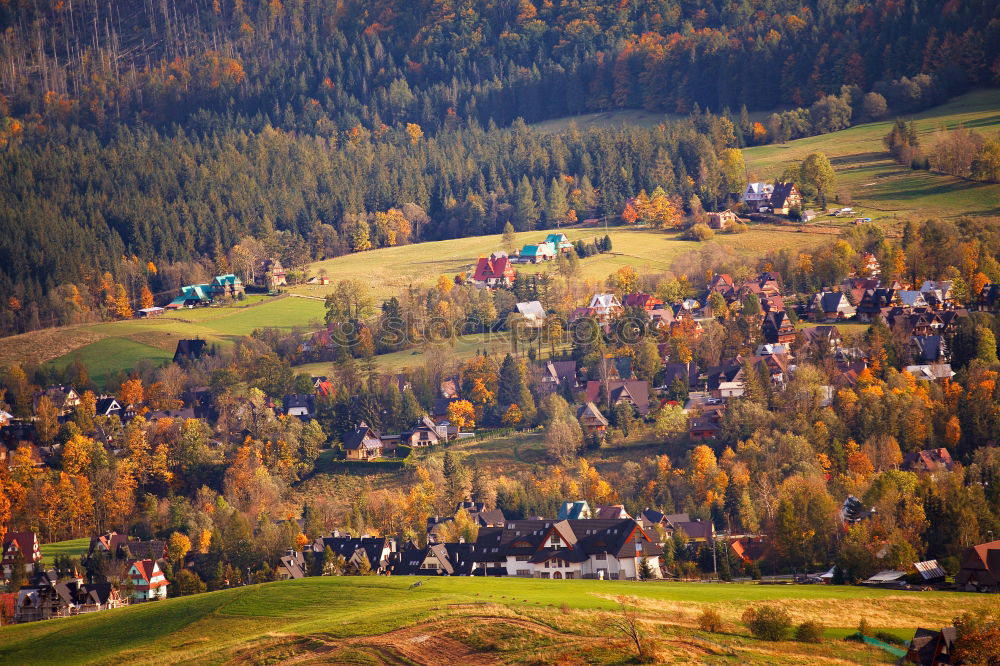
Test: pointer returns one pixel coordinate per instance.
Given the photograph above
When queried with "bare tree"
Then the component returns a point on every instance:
(626, 621)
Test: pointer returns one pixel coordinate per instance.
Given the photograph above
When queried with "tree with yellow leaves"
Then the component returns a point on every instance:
(120, 303)
(415, 132)
(462, 414)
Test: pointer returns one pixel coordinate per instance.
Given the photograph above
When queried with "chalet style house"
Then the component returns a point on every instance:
(494, 271)
(362, 443)
(591, 419)
(270, 273)
(221, 286)
(357, 551)
(565, 549)
(779, 198)
(46, 598)
(630, 391)
(148, 581)
(980, 568)
(722, 220)
(20, 546)
(64, 398)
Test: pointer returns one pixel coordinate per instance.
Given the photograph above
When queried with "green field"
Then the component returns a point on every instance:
(890, 190)
(73, 548)
(111, 347)
(467, 620)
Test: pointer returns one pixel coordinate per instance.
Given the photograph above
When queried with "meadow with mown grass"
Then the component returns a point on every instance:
(472, 620)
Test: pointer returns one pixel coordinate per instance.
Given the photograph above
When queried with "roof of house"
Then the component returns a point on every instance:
(574, 510)
(541, 249)
(26, 542)
(531, 310)
(636, 390)
(929, 348)
(362, 437)
(590, 411)
(299, 401)
(579, 540)
(931, 371)
(928, 460)
(294, 564)
(980, 564)
(780, 193)
(929, 570)
(493, 267)
(189, 349)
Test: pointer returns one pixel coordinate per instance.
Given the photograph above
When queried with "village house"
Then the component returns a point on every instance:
(777, 329)
(785, 197)
(591, 420)
(930, 349)
(930, 647)
(64, 398)
(928, 461)
(568, 549)
(989, 298)
(362, 443)
(299, 405)
(358, 552)
(980, 568)
(757, 197)
(578, 510)
(493, 271)
(605, 307)
(931, 373)
(46, 598)
(559, 241)
(722, 219)
(269, 273)
(532, 312)
(148, 581)
(291, 566)
(190, 350)
(20, 546)
(534, 254)
(425, 433)
(559, 373)
(831, 306)
(642, 301)
(617, 391)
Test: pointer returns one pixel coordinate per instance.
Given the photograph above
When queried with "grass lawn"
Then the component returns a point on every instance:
(879, 186)
(73, 548)
(514, 620)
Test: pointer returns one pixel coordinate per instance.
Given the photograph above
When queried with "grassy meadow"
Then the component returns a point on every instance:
(889, 190)
(470, 620)
(73, 548)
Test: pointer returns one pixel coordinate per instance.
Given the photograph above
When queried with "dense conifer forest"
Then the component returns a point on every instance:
(136, 132)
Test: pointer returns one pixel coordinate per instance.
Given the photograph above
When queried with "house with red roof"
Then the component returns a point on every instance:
(494, 271)
(23, 545)
(148, 581)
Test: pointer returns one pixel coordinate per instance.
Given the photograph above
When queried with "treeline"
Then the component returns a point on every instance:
(959, 152)
(75, 207)
(323, 66)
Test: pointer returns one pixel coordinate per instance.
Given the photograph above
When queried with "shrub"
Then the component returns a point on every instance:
(700, 232)
(710, 620)
(738, 228)
(769, 623)
(864, 628)
(809, 632)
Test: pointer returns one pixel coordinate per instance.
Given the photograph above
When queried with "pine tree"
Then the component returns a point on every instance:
(556, 207)
(525, 208)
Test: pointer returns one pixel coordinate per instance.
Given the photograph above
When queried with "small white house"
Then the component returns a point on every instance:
(148, 581)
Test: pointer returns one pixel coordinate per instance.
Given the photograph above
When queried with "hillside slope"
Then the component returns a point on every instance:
(464, 619)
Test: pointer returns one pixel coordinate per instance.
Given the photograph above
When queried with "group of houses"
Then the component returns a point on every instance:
(268, 274)
(605, 543)
(497, 269)
(51, 593)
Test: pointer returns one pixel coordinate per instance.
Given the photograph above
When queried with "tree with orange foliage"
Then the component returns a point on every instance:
(415, 132)
(131, 392)
(146, 297)
(630, 215)
(462, 414)
(759, 133)
(512, 417)
(120, 303)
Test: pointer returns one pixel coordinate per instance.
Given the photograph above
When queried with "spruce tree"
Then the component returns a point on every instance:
(525, 208)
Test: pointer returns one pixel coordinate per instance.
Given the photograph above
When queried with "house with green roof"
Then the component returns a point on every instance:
(533, 254)
(559, 242)
(204, 294)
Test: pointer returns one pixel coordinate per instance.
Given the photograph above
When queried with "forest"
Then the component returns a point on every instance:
(140, 133)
